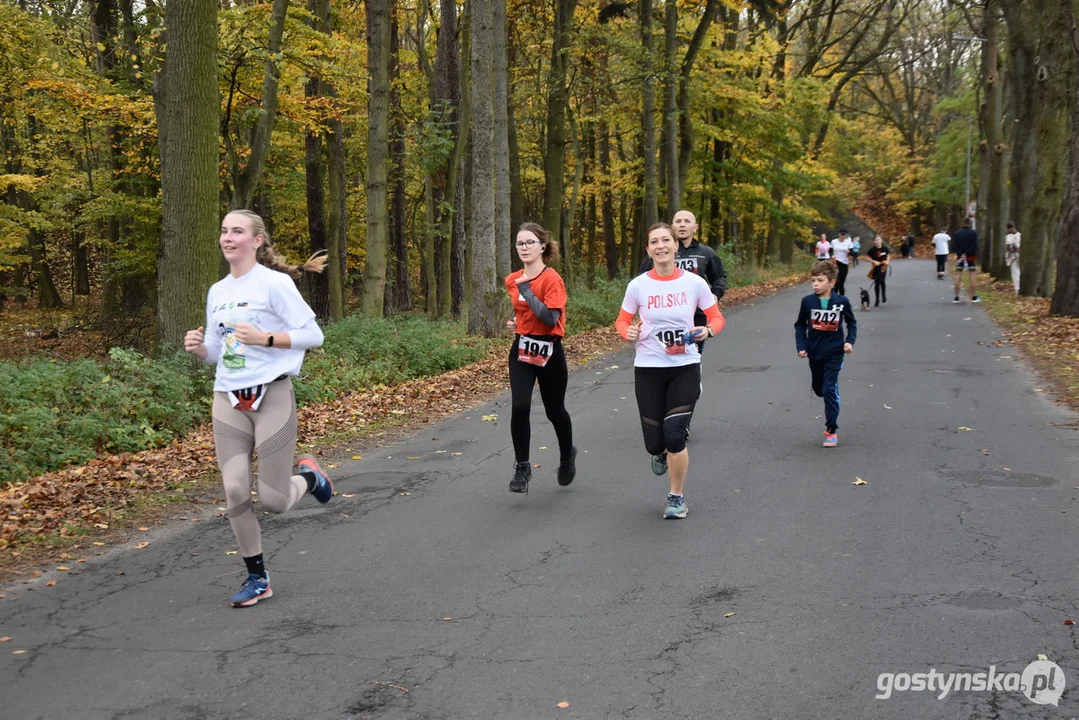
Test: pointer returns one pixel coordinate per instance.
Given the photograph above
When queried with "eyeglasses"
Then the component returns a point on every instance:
(527, 243)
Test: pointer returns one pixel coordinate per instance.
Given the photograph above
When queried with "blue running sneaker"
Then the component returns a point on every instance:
(318, 484)
(676, 507)
(659, 464)
(255, 588)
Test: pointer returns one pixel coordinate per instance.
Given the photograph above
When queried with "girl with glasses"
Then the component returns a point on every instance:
(538, 295)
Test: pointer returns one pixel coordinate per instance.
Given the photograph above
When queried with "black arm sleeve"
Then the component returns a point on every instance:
(546, 315)
(717, 275)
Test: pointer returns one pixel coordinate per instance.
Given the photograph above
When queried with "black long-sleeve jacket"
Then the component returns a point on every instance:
(819, 331)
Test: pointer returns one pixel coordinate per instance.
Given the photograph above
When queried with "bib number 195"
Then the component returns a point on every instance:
(534, 352)
(674, 341)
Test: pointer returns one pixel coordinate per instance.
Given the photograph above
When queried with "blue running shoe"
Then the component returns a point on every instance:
(659, 464)
(318, 484)
(676, 507)
(255, 588)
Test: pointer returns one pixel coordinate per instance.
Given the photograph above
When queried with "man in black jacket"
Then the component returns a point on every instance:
(696, 258)
(965, 247)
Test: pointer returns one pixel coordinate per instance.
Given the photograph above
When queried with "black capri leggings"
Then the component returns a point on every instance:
(553, 379)
(665, 400)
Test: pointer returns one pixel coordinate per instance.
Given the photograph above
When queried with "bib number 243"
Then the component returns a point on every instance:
(534, 352)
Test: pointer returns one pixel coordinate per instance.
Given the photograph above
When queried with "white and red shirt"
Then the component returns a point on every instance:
(824, 249)
(666, 306)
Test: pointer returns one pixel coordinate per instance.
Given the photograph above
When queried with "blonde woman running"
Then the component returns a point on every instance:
(259, 327)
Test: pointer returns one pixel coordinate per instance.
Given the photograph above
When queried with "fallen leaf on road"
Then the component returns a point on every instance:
(1069, 622)
(357, 457)
(1007, 469)
(489, 418)
(535, 466)
(231, 552)
(439, 452)
(61, 568)
(144, 529)
(406, 493)
(563, 704)
(1038, 390)
(447, 618)
(99, 544)
(395, 687)
(50, 583)
(348, 495)
(18, 652)
(614, 367)
(730, 614)
(141, 545)
(5, 639)
(543, 447)
(414, 457)
(887, 406)
(455, 454)
(963, 427)
(36, 573)
(1043, 656)
(859, 481)
(103, 526)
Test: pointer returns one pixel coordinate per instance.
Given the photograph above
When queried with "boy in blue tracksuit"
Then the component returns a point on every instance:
(820, 336)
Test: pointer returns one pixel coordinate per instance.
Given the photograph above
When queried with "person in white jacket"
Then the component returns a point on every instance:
(1012, 240)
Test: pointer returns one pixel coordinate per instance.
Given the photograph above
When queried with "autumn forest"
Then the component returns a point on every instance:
(408, 138)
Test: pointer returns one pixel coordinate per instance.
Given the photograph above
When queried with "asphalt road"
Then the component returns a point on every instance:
(433, 592)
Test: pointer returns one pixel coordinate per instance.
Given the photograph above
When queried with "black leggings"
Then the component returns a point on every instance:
(553, 379)
(880, 288)
(665, 400)
(841, 277)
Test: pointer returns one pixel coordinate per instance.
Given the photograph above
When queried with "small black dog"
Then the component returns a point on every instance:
(865, 298)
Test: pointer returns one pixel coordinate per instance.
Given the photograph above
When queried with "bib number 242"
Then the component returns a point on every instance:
(534, 352)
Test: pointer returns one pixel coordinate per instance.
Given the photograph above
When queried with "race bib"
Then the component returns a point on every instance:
(247, 399)
(689, 264)
(824, 320)
(534, 352)
(673, 340)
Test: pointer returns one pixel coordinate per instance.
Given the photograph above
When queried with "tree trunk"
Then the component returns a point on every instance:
(670, 109)
(445, 108)
(246, 180)
(1040, 135)
(187, 105)
(517, 213)
(648, 125)
(1066, 293)
(995, 217)
(484, 305)
(318, 285)
(610, 247)
(402, 290)
(336, 218)
(378, 113)
(554, 157)
(503, 246)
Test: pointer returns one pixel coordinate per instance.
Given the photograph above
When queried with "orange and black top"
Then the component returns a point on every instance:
(549, 289)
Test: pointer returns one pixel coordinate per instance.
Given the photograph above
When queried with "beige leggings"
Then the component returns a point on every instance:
(271, 430)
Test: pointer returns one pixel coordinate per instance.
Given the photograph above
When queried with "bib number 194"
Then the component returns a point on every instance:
(534, 352)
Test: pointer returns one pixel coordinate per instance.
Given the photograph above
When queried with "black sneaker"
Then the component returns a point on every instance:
(522, 473)
(955, 300)
(567, 469)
